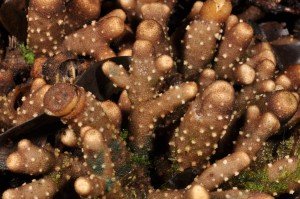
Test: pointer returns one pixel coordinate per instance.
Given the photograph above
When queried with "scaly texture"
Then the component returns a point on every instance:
(94, 39)
(145, 74)
(264, 121)
(222, 170)
(202, 34)
(80, 109)
(202, 125)
(50, 21)
(135, 8)
(191, 192)
(88, 117)
(31, 105)
(222, 114)
(6, 81)
(30, 159)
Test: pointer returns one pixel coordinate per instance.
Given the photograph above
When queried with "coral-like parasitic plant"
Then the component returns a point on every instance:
(23, 103)
(206, 107)
(50, 21)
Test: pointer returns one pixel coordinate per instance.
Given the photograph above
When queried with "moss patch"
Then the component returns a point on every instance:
(140, 159)
(124, 134)
(27, 54)
(96, 163)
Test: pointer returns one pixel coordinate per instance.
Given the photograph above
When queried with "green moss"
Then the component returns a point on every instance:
(124, 134)
(285, 147)
(55, 177)
(257, 180)
(174, 168)
(123, 170)
(293, 176)
(115, 147)
(265, 155)
(27, 54)
(133, 194)
(140, 159)
(96, 163)
(108, 185)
